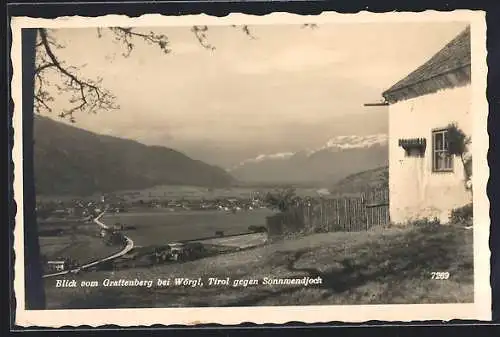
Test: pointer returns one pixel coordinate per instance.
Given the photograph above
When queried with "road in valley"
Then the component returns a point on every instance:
(128, 247)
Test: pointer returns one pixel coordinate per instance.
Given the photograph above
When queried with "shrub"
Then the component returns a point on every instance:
(257, 229)
(320, 230)
(458, 145)
(282, 200)
(462, 214)
(426, 224)
(457, 140)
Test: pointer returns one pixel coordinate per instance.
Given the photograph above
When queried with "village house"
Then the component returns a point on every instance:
(58, 265)
(425, 180)
(103, 232)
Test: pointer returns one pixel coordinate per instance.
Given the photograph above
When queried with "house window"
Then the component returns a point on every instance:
(442, 161)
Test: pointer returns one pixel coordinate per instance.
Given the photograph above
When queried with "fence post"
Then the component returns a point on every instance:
(345, 214)
(322, 204)
(363, 205)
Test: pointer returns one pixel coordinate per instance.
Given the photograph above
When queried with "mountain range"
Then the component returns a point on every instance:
(337, 158)
(70, 160)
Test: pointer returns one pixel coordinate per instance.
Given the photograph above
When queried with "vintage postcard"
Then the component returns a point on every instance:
(267, 169)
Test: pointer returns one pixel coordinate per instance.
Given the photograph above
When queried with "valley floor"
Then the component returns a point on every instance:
(81, 244)
(380, 267)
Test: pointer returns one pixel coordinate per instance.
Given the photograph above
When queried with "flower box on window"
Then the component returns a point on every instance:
(414, 147)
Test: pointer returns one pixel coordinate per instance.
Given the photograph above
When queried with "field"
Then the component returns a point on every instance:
(196, 193)
(379, 267)
(79, 242)
(239, 241)
(162, 227)
(178, 192)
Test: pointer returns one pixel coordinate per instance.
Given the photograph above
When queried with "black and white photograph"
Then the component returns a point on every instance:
(265, 169)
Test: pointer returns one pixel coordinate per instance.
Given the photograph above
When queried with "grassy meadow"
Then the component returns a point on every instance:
(197, 193)
(175, 192)
(391, 266)
(81, 243)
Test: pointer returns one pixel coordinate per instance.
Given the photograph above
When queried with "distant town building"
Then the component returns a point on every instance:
(57, 265)
(323, 192)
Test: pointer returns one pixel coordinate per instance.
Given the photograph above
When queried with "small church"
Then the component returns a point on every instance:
(425, 180)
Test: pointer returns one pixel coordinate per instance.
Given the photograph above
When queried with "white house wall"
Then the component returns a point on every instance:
(415, 191)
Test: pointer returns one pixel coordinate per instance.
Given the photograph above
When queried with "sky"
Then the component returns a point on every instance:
(288, 89)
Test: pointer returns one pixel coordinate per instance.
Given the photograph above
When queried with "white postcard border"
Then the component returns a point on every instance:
(480, 309)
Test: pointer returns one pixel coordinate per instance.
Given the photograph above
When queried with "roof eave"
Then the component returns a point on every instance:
(455, 77)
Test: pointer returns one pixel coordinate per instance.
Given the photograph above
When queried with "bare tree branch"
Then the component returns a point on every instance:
(201, 36)
(125, 35)
(246, 30)
(42, 67)
(86, 95)
(309, 25)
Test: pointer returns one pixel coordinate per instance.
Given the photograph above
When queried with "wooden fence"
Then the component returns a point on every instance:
(351, 214)
(377, 208)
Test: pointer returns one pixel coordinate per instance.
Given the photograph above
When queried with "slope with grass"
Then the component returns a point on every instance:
(69, 160)
(363, 181)
(380, 267)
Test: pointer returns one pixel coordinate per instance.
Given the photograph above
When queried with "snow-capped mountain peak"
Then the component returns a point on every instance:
(263, 157)
(338, 143)
(352, 142)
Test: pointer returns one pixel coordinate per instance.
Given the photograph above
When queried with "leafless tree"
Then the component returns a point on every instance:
(86, 94)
